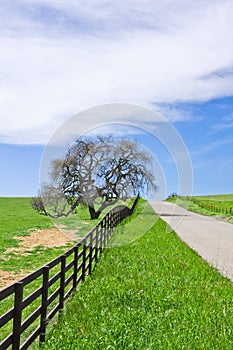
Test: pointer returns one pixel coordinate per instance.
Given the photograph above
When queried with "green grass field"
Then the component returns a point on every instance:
(218, 197)
(17, 218)
(222, 201)
(155, 293)
(216, 205)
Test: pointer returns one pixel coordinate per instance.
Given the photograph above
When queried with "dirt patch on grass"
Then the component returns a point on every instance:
(49, 237)
(71, 234)
(7, 278)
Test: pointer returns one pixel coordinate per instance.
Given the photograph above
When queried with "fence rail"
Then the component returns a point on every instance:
(212, 207)
(209, 206)
(54, 288)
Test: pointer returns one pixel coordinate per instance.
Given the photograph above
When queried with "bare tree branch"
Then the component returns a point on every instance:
(96, 173)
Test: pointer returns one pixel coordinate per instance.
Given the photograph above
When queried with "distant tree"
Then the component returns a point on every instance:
(96, 173)
(37, 204)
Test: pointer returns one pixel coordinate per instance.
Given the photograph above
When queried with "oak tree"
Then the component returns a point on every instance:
(97, 172)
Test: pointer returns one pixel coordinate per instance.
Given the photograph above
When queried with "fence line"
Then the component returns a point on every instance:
(211, 207)
(80, 260)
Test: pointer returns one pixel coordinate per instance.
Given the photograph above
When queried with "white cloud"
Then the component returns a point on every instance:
(227, 124)
(211, 146)
(162, 15)
(164, 52)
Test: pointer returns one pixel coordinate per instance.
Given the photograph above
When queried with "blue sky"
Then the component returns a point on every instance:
(59, 58)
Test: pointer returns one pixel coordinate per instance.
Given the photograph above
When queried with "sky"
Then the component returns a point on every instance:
(173, 57)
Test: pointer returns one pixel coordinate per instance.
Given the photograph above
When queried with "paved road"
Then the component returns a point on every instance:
(210, 238)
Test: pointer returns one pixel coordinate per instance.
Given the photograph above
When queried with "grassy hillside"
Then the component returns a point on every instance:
(218, 205)
(222, 201)
(16, 218)
(16, 262)
(155, 293)
(16, 214)
(218, 197)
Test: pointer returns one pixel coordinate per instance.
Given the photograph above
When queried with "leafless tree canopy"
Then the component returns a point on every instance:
(97, 173)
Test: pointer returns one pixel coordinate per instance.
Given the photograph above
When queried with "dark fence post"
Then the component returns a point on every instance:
(17, 316)
(96, 243)
(101, 236)
(107, 227)
(119, 217)
(135, 203)
(90, 253)
(111, 224)
(84, 260)
(75, 267)
(62, 282)
(105, 232)
(43, 320)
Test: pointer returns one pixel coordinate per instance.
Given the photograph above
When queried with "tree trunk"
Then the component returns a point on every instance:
(93, 214)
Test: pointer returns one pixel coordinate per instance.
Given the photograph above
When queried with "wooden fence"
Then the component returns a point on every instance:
(51, 288)
(211, 207)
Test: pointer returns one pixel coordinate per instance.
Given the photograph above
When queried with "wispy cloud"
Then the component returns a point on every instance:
(211, 146)
(178, 112)
(59, 57)
(226, 124)
(114, 15)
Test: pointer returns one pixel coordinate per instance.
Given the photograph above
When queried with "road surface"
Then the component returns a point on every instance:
(210, 238)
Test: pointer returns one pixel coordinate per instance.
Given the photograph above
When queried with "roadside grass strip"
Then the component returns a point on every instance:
(214, 205)
(155, 293)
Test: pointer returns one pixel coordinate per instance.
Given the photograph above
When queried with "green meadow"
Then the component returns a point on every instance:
(154, 293)
(149, 292)
(222, 201)
(215, 205)
(18, 219)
